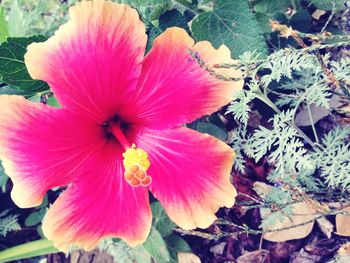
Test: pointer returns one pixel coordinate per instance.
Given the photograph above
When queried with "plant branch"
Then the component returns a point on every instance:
(268, 102)
(312, 123)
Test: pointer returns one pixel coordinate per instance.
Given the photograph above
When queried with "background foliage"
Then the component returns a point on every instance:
(290, 120)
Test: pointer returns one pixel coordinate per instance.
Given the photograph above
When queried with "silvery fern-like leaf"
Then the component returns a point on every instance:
(119, 250)
(333, 159)
(261, 143)
(8, 223)
(341, 69)
(309, 86)
(239, 140)
(282, 146)
(283, 62)
(239, 107)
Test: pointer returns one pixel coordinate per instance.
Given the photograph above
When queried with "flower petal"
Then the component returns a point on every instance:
(173, 88)
(99, 204)
(41, 147)
(93, 61)
(190, 174)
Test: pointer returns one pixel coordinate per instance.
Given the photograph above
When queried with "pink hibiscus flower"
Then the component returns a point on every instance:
(119, 130)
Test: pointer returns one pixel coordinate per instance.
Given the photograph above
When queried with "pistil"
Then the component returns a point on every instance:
(135, 160)
(117, 132)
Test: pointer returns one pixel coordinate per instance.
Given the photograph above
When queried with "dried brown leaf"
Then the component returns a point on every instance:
(342, 223)
(303, 214)
(326, 226)
(188, 258)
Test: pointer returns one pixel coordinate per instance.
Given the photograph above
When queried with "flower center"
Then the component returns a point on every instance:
(135, 162)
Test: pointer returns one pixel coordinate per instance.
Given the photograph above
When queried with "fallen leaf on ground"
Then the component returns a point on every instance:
(318, 13)
(342, 223)
(326, 226)
(303, 213)
(188, 258)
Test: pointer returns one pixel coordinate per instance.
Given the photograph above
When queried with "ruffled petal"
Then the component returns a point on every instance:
(174, 89)
(99, 204)
(92, 63)
(41, 147)
(190, 174)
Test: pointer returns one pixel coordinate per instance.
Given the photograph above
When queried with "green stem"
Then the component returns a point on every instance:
(312, 123)
(28, 250)
(185, 3)
(268, 102)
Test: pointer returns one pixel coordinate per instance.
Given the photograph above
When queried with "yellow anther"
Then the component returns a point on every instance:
(136, 164)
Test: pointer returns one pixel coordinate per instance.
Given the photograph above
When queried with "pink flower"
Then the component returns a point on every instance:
(119, 130)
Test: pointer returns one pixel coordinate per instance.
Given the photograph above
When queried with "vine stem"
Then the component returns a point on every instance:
(269, 103)
(187, 4)
(27, 250)
(312, 123)
(246, 229)
(329, 19)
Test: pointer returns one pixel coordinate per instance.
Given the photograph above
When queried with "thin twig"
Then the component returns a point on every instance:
(211, 71)
(329, 19)
(312, 123)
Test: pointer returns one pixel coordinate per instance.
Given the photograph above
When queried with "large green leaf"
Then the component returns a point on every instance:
(232, 23)
(176, 244)
(13, 71)
(271, 7)
(330, 4)
(10, 90)
(3, 26)
(156, 246)
(35, 218)
(161, 220)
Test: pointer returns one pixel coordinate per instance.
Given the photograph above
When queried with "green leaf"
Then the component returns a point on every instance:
(4, 32)
(176, 244)
(212, 129)
(141, 255)
(158, 11)
(156, 246)
(35, 218)
(28, 250)
(52, 101)
(10, 90)
(231, 23)
(3, 178)
(264, 22)
(35, 98)
(271, 7)
(160, 220)
(12, 68)
(328, 5)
